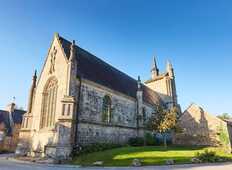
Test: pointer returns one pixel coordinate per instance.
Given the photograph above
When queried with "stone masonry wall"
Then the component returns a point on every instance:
(123, 109)
(92, 129)
(96, 133)
(199, 128)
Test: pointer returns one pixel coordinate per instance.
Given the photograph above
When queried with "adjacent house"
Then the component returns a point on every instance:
(200, 128)
(10, 124)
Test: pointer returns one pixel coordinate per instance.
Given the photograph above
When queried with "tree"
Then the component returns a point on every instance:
(163, 121)
(225, 116)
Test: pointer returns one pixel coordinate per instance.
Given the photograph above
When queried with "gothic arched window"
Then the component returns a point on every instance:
(106, 109)
(49, 103)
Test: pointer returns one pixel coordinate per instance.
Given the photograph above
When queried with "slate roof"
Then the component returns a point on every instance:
(17, 116)
(94, 69)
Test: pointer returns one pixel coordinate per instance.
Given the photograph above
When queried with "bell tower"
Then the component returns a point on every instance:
(164, 84)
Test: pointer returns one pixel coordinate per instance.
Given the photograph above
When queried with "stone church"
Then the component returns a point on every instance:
(79, 99)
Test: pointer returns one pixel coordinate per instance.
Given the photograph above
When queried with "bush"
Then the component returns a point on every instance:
(2, 151)
(149, 139)
(208, 156)
(95, 147)
(136, 141)
(160, 140)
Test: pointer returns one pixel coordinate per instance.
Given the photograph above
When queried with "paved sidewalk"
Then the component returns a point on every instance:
(11, 164)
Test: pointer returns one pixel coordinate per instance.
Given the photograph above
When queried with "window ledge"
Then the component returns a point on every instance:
(47, 129)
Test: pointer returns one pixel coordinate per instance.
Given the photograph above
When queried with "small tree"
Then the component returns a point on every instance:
(224, 116)
(163, 121)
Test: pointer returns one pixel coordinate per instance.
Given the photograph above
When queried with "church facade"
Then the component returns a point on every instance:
(78, 99)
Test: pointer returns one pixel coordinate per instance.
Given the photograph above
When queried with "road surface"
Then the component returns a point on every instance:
(17, 165)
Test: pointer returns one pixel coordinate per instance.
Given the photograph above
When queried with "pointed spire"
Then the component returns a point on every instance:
(154, 69)
(34, 79)
(31, 92)
(169, 65)
(35, 75)
(72, 51)
(139, 83)
(139, 79)
(154, 64)
(169, 69)
(56, 34)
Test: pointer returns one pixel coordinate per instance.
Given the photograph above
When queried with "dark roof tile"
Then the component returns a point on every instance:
(94, 69)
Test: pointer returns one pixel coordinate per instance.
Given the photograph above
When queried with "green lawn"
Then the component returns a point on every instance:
(149, 155)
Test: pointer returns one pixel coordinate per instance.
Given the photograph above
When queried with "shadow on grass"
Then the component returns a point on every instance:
(149, 155)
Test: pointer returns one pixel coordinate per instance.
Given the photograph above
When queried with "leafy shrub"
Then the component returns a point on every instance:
(95, 147)
(223, 135)
(149, 139)
(208, 156)
(4, 151)
(136, 141)
(159, 139)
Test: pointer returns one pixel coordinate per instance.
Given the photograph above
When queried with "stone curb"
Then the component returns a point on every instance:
(42, 164)
(78, 166)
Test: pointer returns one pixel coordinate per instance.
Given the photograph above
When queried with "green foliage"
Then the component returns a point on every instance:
(136, 141)
(149, 139)
(2, 151)
(223, 135)
(209, 156)
(225, 116)
(96, 147)
(163, 121)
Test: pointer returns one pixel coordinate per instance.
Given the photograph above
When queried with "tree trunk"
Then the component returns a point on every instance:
(165, 140)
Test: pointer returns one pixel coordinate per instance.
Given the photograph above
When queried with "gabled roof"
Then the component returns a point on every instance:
(94, 69)
(17, 116)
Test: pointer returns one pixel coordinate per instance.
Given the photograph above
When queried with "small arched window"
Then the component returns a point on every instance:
(49, 103)
(106, 109)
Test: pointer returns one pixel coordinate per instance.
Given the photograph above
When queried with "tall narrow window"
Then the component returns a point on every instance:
(49, 103)
(106, 109)
(144, 115)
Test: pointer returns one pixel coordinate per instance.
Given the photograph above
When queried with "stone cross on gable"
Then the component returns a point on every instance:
(53, 60)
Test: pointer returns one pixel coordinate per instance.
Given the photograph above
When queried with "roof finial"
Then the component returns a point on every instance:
(169, 69)
(72, 51)
(154, 64)
(169, 65)
(35, 74)
(139, 83)
(56, 34)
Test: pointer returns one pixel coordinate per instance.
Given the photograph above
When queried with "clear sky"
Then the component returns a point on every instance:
(196, 35)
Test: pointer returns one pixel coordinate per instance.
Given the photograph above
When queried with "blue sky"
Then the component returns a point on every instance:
(195, 35)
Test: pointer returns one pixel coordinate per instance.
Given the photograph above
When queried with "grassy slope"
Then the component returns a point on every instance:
(150, 155)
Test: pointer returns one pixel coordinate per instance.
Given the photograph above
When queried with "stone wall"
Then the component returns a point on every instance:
(123, 108)
(99, 133)
(92, 129)
(200, 128)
